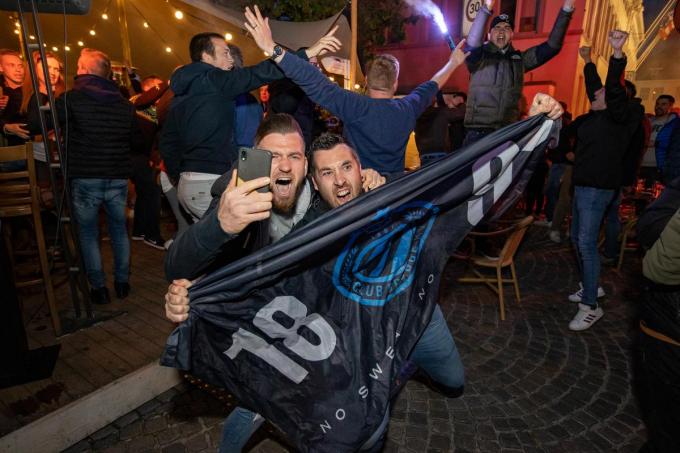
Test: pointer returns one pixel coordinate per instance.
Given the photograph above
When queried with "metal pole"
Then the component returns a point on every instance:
(124, 35)
(353, 50)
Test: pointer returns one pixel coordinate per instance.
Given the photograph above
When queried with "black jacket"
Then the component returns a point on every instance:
(205, 247)
(197, 134)
(603, 137)
(101, 129)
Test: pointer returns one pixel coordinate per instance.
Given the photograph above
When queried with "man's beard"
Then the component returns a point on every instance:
(286, 207)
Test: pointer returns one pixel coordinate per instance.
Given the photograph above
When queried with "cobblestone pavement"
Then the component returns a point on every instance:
(531, 384)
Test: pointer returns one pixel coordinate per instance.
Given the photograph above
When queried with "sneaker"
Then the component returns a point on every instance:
(100, 296)
(585, 317)
(168, 243)
(543, 223)
(137, 237)
(554, 236)
(578, 295)
(157, 243)
(122, 289)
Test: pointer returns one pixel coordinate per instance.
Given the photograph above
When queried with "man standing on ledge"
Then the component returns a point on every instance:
(497, 69)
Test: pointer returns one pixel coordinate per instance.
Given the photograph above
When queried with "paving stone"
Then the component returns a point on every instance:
(132, 430)
(174, 448)
(126, 419)
(196, 443)
(141, 443)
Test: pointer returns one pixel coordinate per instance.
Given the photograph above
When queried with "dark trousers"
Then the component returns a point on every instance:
(148, 204)
(660, 372)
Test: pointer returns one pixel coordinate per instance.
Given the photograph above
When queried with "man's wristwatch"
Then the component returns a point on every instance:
(278, 51)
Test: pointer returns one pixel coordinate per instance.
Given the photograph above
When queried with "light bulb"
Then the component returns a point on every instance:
(146, 25)
(168, 49)
(92, 32)
(67, 48)
(228, 36)
(105, 16)
(357, 86)
(179, 15)
(81, 44)
(55, 48)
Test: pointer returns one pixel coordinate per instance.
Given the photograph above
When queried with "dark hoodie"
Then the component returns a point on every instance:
(198, 132)
(101, 129)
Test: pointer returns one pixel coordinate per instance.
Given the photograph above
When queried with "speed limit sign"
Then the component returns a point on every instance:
(470, 10)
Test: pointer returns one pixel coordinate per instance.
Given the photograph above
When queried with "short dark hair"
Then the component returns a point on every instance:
(670, 98)
(277, 123)
(14, 53)
(461, 94)
(202, 42)
(324, 142)
(631, 89)
(236, 54)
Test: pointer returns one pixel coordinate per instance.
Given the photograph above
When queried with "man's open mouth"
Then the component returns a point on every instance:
(283, 185)
(344, 195)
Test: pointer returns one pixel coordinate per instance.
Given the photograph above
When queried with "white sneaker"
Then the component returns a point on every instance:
(554, 236)
(585, 317)
(578, 295)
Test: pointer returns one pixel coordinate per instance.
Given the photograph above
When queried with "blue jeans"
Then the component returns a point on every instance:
(612, 228)
(552, 189)
(590, 205)
(88, 196)
(435, 353)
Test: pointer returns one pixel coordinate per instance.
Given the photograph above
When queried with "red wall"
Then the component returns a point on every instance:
(424, 52)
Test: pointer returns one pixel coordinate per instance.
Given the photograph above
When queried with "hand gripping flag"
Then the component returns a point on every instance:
(311, 332)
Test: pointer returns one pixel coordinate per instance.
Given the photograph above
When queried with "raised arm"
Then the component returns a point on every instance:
(475, 37)
(540, 54)
(615, 92)
(317, 87)
(590, 75)
(456, 58)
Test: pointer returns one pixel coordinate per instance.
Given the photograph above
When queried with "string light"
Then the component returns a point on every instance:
(228, 36)
(105, 16)
(146, 25)
(16, 32)
(168, 49)
(17, 24)
(67, 48)
(179, 15)
(55, 48)
(31, 37)
(81, 44)
(357, 86)
(92, 32)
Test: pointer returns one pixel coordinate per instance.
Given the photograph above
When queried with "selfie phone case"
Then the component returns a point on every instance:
(253, 163)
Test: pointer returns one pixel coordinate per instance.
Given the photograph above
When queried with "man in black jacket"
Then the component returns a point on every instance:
(197, 140)
(101, 127)
(497, 69)
(602, 142)
(12, 122)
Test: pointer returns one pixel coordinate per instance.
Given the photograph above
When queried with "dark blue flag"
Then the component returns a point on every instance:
(311, 332)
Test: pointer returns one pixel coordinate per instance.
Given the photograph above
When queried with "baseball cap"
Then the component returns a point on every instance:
(502, 18)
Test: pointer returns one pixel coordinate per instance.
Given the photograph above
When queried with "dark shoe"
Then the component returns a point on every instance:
(157, 243)
(122, 289)
(100, 296)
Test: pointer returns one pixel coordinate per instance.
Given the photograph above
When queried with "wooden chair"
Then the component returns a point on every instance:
(19, 196)
(626, 231)
(506, 258)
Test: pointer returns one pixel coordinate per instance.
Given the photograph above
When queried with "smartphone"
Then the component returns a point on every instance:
(253, 163)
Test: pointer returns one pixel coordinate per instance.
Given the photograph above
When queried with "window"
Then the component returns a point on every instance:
(529, 15)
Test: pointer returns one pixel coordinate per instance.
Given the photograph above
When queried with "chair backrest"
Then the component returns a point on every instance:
(514, 240)
(18, 189)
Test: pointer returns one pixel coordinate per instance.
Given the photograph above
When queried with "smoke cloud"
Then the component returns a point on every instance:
(429, 9)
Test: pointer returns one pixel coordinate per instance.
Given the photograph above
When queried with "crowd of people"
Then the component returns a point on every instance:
(180, 139)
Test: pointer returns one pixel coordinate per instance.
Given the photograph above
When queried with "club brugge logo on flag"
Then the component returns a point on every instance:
(379, 260)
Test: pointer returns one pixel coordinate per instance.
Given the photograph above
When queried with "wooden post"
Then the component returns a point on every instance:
(353, 50)
(124, 35)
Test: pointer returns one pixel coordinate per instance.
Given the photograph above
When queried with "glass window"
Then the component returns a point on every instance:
(528, 19)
